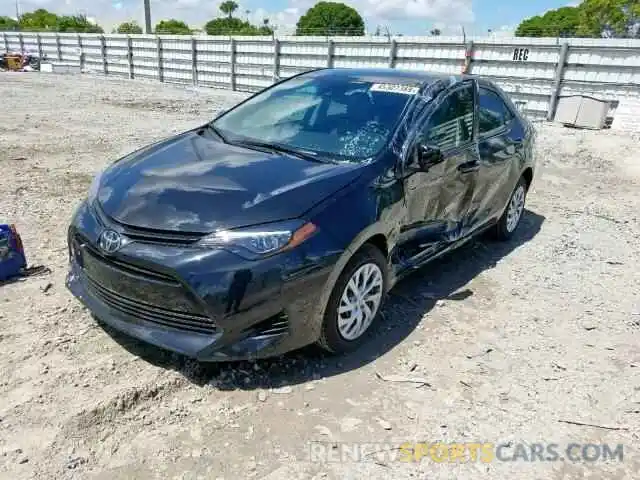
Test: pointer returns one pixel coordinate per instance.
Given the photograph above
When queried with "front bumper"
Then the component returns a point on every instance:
(211, 305)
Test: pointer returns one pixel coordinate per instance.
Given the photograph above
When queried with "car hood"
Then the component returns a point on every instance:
(195, 183)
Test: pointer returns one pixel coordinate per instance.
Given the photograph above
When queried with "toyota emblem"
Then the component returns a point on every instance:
(110, 241)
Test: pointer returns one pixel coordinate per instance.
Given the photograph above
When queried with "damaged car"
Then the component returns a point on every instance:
(286, 220)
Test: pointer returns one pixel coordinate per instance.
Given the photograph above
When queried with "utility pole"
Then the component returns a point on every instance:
(18, 10)
(147, 17)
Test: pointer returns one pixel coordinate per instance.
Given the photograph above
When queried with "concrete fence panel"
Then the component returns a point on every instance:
(536, 72)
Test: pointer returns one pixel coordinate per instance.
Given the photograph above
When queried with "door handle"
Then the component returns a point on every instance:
(469, 167)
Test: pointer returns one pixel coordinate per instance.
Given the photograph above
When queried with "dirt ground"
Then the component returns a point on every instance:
(510, 340)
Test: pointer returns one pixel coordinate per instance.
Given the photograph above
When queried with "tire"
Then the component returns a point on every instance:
(512, 216)
(336, 336)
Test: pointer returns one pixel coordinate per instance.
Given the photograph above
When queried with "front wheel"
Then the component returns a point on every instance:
(355, 301)
(511, 217)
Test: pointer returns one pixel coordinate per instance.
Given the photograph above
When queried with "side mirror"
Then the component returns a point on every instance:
(428, 156)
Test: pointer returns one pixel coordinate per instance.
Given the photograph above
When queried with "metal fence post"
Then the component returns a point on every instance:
(6, 42)
(232, 61)
(393, 50)
(103, 48)
(159, 55)
(81, 52)
(21, 40)
(276, 59)
(331, 48)
(130, 55)
(39, 40)
(59, 47)
(194, 60)
(557, 81)
(468, 57)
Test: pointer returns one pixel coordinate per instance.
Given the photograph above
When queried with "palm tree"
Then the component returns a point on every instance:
(228, 7)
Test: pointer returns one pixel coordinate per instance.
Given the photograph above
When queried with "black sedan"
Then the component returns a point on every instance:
(286, 220)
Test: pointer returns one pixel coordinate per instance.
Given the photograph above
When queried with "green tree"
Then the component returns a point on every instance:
(172, 27)
(611, 18)
(561, 22)
(592, 18)
(8, 24)
(330, 18)
(129, 28)
(77, 23)
(228, 8)
(235, 26)
(38, 20)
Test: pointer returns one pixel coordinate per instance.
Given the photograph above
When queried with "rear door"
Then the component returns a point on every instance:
(500, 145)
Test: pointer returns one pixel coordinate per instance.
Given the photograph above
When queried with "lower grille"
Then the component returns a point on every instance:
(274, 326)
(151, 313)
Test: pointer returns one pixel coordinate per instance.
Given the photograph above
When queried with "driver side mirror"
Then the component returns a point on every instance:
(427, 156)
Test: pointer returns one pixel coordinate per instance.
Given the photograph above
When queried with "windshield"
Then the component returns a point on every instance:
(340, 117)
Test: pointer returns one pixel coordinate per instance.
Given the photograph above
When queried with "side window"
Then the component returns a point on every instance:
(492, 111)
(451, 124)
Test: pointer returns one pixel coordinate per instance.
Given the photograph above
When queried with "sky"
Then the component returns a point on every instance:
(409, 17)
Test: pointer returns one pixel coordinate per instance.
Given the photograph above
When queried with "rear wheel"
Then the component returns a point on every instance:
(511, 217)
(355, 302)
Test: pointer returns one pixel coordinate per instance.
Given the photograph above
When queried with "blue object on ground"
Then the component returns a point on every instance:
(12, 259)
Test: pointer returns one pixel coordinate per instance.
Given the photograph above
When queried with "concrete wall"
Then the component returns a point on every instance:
(533, 70)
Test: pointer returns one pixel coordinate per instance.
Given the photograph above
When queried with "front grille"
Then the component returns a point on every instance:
(139, 291)
(129, 267)
(151, 313)
(149, 235)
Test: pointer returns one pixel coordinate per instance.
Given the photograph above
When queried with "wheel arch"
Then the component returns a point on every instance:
(374, 235)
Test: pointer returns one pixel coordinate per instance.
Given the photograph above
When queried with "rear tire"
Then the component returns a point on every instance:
(355, 302)
(510, 219)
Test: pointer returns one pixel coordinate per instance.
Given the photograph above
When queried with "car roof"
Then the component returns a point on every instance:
(387, 75)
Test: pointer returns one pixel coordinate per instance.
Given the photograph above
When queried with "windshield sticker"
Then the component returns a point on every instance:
(394, 88)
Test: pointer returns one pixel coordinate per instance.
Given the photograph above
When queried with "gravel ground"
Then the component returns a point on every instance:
(509, 339)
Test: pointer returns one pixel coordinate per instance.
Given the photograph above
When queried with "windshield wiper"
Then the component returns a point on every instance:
(216, 131)
(274, 147)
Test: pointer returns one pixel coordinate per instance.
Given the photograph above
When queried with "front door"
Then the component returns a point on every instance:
(438, 200)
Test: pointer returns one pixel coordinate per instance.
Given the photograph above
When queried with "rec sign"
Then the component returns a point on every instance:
(520, 54)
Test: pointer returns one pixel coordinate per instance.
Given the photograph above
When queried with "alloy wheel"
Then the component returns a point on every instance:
(360, 301)
(516, 207)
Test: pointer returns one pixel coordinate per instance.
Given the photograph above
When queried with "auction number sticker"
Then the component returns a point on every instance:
(395, 88)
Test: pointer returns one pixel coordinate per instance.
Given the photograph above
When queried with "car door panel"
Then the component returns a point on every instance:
(498, 149)
(438, 200)
(457, 192)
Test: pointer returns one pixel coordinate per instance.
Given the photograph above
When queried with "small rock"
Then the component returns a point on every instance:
(309, 387)
(262, 395)
(75, 462)
(284, 390)
(384, 424)
(23, 459)
(323, 430)
(349, 424)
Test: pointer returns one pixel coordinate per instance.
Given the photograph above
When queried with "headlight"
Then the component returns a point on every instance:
(261, 240)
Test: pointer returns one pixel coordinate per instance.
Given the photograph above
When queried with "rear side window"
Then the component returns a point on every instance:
(493, 113)
(450, 125)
